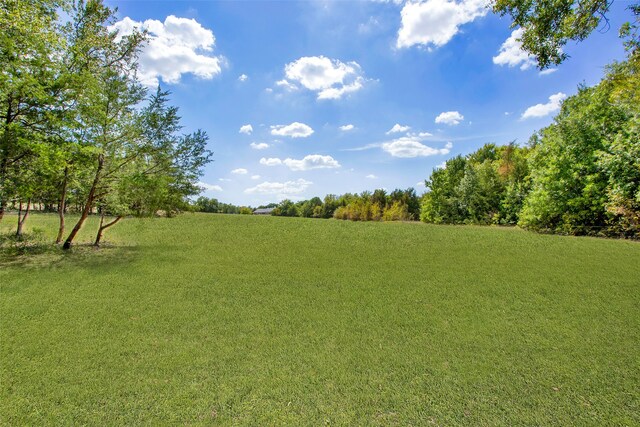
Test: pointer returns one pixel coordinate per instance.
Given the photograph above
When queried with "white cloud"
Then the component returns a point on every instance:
(329, 78)
(420, 135)
(347, 128)
(512, 54)
(243, 77)
(175, 47)
(272, 161)
(246, 129)
(548, 71)
(281, 188)
(450, 118)
(420, 184)
(286, 85)
(240, 171)
(259, 145)
(371, 176)
(255, 176)
(541, 110)
(209, 187)
(397, 128)
(312, 161)
(435, 22)
(294, 130)
(411, 147)
(224, 180)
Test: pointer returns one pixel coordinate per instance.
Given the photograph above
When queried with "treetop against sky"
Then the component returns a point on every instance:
(305, 98)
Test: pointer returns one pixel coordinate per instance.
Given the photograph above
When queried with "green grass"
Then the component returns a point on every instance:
(239, 320)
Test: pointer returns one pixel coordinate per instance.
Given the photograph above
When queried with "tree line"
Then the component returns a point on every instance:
(78, 131)
(580, 175)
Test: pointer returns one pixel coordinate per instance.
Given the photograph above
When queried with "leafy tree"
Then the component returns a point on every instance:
(106, 119)
(285, 208)
(308, 208)
(585, 172)
(441, 203)
(549, 25)
(30, 45)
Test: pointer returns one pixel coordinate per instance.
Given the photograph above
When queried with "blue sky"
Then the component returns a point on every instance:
(306, 98)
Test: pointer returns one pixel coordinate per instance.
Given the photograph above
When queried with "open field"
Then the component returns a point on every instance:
(211, 319)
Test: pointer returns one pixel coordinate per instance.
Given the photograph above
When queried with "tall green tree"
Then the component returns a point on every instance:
(30, 48)
(585, 172)
(106, 118)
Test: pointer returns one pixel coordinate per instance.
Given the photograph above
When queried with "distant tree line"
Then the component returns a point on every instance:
(579, 176)
(78, 132)
(399, 205)
(204, 204)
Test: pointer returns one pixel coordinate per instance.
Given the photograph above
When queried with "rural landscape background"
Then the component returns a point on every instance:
(449, 196)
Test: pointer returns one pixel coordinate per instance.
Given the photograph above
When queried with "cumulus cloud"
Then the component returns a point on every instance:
(271, 161)
(347, 128)
(209, 187)
(175, 47)
(408, 147)
(450, 118)
(243, 77)
(294, 130)
(246, 129)
(433, 23)
(329, 78)
(312, 161)
(419, 135)
(371, 176)
(259, 145)
(548, 71)
(512, 54)
(541, 110)
(240, 171)
(255, 176)
(281, 188)
(286, 85)
(397, 128)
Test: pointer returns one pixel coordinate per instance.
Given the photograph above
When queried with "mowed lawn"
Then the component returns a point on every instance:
(241, 320)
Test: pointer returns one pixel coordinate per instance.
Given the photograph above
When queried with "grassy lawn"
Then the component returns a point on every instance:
(240, 320)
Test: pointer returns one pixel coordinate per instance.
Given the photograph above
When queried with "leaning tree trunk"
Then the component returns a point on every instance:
(87, 206)
(22, 217)
(3, 175)
(62, 205)
(103, 227)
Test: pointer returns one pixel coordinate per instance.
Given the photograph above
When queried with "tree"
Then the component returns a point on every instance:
(549, 25)
(29, 86)
(308, 207)
(285, 208)
(440, 204)
(585, 172)
(106, 120)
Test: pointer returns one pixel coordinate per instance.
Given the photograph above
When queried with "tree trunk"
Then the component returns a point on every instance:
(104, 227)
(62, 205)
(87, 206)
(22, 218)
(4, 162)
(3, 174)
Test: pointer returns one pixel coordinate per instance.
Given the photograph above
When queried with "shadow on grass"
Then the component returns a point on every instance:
(33, 250)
